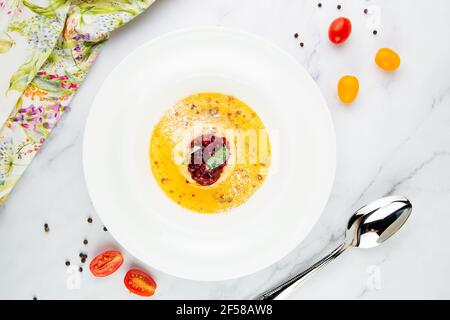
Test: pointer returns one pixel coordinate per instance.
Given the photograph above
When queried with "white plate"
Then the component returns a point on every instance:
(152, 227)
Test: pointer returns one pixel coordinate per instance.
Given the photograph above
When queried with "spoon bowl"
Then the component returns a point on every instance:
(376, 222)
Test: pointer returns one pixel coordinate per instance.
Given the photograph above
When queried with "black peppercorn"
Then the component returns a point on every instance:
(80, 269)
(89, 220)
(85, 242)
(67, 263)
(319, 5)
(296, 35)
(302, 44)
(375, 32)
(339, 7)
(366, 11)
(104, 229)
(46, 228)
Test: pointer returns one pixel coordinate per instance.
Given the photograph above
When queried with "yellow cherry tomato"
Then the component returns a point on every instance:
(387, 59)
(348, 88)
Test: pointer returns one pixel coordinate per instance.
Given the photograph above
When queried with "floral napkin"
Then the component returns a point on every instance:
(46, 50)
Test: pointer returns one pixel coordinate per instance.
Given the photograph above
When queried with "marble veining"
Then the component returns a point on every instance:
(394, 139)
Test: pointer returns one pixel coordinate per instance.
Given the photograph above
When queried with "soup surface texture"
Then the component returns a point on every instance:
(210, 152)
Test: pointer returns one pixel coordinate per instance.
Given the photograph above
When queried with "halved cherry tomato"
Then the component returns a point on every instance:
(339, 30)
(106, 263)
(140, 283)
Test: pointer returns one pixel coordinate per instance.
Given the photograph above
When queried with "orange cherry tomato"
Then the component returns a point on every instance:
(140, 283)
(106, 263)
(348, 88)
(339, 30)
(387, 59)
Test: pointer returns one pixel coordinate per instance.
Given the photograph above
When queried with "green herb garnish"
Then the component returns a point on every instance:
(219, 158)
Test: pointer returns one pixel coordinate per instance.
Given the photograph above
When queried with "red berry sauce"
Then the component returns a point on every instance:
(205, 147)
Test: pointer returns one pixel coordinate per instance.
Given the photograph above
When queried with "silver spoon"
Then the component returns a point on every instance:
(367, 228)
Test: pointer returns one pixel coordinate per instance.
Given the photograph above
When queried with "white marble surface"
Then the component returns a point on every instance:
(394, 139)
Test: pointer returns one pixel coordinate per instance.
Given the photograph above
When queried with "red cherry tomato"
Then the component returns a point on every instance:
(339, 30)
(140, 283)
(106, 263)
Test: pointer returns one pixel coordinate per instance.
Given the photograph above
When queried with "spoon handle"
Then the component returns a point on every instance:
(285, 289)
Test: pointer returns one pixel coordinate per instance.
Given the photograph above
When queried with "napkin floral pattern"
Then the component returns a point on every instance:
(61, 39)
